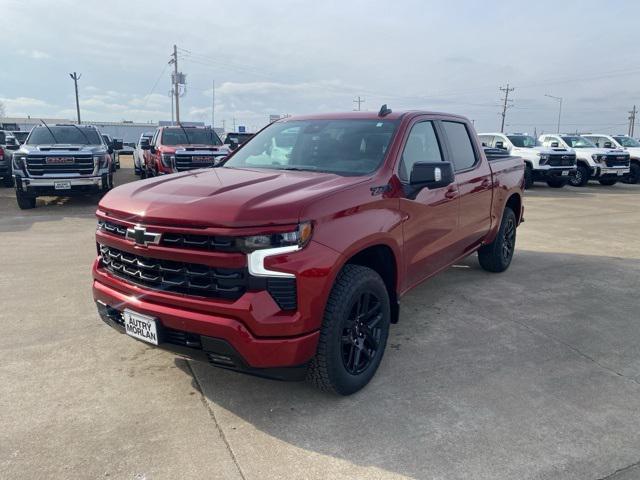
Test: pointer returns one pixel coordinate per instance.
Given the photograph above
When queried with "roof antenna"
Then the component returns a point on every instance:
(384, 111)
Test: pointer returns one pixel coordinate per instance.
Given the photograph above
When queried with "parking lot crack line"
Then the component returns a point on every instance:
(215, 421)
(620, 470)
(576, 350)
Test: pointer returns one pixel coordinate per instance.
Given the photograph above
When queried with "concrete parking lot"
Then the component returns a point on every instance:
(530, 374)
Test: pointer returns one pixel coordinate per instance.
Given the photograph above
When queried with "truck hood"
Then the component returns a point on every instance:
(222, 197)
(64, 149)
(599, 151)
(534, 151)
(633, 151)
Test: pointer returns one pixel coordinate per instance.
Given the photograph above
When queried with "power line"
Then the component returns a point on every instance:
(505, 105)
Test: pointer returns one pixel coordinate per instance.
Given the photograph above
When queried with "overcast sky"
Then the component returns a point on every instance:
(276, 57)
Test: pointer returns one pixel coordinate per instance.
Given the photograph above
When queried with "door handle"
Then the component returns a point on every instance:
(451, 193)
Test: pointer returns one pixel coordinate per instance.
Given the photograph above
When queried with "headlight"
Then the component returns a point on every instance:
(543, 157)
(598, 158)
(167, 160)
(19, 162)
(101, 160)
(299, 237)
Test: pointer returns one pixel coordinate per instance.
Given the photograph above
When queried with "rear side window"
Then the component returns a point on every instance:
(462, 153)
(422, 146)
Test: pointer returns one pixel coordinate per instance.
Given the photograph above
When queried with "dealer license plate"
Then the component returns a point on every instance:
(565, 173)
(62, 185)
(620, 173)
(202, 159)
(140, 326)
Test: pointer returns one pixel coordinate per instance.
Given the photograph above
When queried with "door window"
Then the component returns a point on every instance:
(422, 146)
(462, 154)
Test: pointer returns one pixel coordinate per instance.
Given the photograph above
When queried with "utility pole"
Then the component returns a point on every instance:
(171, 97)
(632, 120)
(558, 99)
(506, 105)
(75, 78)
(359, 101)
(224, 125)
(234, 124)
(213, 102)
(176, 88)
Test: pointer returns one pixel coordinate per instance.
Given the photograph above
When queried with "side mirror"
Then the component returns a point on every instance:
(555, 144)
(117, 144)
(430, 175)
(608, 145)
(500, 145)
(145, 144)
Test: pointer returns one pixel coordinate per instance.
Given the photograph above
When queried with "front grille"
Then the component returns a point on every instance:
(190, 162)
(558, 161)
(284, 292)
(177, 277)
(179, 240)
(82, 164)
(617, 161)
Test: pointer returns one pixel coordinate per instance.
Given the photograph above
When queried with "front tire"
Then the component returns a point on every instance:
(607, 182)
(581, 177)
(528, 176)
(633, 176)
(555, 183)
(497, 256)
(25, 202)
(354, 332)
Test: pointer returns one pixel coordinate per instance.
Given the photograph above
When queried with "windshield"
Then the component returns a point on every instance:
(578, 142)
(343, 147)
(67, 134)
(627, 141)
(190, 136)
(522, 141)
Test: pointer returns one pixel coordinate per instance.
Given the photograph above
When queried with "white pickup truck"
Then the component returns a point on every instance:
(607, 165)
(556, 165)
(625, 142)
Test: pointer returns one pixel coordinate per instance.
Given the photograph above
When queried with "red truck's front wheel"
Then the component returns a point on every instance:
(354, 332)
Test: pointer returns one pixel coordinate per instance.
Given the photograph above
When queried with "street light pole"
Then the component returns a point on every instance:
(559, 99)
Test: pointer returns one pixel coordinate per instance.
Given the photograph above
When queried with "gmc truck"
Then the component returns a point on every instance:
(555, 166)
(289, 260)
(603, 164)
(178, 149)
(8, 143)
(625, 142)
(61, 160)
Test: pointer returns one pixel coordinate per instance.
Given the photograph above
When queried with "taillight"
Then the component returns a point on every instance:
(1, 153)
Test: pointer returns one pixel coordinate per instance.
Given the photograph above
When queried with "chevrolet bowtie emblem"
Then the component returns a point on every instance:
(140, 236)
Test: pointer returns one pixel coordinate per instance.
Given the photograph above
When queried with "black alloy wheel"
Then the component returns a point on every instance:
(361, 333)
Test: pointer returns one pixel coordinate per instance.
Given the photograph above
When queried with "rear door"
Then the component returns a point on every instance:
(431, 217)
(473, 178)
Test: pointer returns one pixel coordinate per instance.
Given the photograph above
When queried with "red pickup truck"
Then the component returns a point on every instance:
(178, 149)
(289, 260)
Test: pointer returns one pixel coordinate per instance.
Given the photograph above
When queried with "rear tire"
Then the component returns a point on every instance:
(25, 202)
(528, 176)
(354, 332)
(633, 176)
(555, 183)
(608, 181)
(497, 256)
(581, 177)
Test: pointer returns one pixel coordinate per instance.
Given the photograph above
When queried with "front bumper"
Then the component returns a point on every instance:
(218, 351)
(554, 173)
(47, 185)
(608, 172)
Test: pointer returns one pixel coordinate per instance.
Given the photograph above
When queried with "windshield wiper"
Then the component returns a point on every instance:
(185, 134)
(50, 131)
(83, 134)
(300, 169)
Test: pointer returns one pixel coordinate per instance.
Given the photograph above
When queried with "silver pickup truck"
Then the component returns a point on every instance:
(8, 144)
(62, 160)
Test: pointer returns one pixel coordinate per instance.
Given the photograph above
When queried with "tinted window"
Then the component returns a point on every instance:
(462, 153)
(190, 136)
(343, 147)
(422, 146)
(627, 141)
(578, 142)
(2, 137)
(67, 134)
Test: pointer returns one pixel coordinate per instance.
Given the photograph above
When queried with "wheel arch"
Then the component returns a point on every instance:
(514, 202)
(382, 259)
